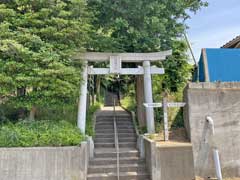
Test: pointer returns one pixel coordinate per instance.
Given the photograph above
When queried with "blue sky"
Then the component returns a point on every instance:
(214, 25)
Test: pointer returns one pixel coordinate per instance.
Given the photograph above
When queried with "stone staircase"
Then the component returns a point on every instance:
(104, 164)
(110, 98)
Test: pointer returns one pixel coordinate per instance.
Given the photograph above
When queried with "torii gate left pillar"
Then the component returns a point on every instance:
(115, 61)
(82, 105)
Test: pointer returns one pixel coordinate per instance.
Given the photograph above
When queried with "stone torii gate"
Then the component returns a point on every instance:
(116, 60)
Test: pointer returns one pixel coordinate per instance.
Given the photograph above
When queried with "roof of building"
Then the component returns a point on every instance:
(235, 43)
(219, 65)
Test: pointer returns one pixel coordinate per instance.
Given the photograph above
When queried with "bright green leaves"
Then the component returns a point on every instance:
(177, 70)
(6, 13)
(39, 133)
(147, 26)
(12, 50)
(37, 38)
(142, 25)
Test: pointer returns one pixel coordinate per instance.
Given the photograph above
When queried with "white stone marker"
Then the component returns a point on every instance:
(165, 106)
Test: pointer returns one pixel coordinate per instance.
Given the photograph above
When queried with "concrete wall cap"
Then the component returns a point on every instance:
(39, 148)
(214, 85)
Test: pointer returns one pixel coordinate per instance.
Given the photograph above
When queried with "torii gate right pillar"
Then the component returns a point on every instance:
(148, 96)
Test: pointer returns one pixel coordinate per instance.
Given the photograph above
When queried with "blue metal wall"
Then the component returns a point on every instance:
(223, 65)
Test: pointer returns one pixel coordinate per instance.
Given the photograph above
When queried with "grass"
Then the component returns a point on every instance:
(129, 103)
(39, 133)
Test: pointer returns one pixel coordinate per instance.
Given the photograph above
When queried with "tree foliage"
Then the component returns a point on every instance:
(37, 38)
(177, 70)
(146, 26)
(140, 25)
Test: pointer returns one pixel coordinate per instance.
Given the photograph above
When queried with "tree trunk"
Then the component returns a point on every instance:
(98, 87)
(21, 111)
(140, 100)
(93, 97)
(32, 113)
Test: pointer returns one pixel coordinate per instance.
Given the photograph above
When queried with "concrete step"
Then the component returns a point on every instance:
(111, 140)
(127, 139)
(104, 140)
(103, 124)
(125, 135)
(102, 127)
(112, 144)
(110, 123)
(118, 119)
(111, 135)
(104, 145)
(127, 144)
(113, 168)
(125, 126)
(111, 116)
(122, 176)
(122, 160)
(111, 153)
(125, 130)
(124, 122)
(107, 131)
(104, 135)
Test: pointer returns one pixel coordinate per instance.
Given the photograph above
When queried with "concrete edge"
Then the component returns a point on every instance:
(83, 143)
(150, 158)
(214, 85)
(84, 147)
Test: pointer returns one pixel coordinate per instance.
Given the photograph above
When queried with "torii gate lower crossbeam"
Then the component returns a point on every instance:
(115, 68)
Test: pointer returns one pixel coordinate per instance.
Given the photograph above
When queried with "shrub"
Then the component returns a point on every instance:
(39, 133)
(89, 124)
(68, 112)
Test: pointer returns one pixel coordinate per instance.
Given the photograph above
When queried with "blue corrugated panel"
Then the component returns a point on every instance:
(223, 65)
(201, 70)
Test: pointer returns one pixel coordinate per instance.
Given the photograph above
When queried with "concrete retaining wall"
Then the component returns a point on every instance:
(169, 162)
(221, 101)
(44, 163)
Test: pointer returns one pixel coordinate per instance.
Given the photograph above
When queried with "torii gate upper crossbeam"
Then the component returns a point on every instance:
(125, 57)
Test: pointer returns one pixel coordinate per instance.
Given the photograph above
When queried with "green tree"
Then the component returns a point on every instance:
(177, 70)
(37, 38)
(146, 26)
(139, 25)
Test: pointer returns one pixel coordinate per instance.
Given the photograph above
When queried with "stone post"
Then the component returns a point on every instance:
(148, 96)
(165, 117)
